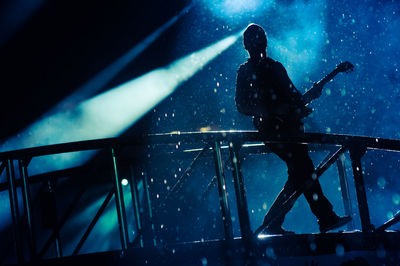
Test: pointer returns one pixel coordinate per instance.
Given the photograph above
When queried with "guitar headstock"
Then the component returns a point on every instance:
(345, 67)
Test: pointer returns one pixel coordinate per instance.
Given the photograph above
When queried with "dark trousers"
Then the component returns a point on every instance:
(300, 170)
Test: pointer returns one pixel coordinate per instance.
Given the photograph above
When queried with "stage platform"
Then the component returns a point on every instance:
(372, 245)
(356, 248)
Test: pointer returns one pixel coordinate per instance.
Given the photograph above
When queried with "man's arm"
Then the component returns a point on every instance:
(290, 92)
(246, 98)
(313, 93)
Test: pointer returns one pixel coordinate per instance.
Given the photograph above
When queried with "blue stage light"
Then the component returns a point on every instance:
(236, 8)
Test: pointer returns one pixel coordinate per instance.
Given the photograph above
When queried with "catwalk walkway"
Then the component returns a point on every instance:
(372, 243)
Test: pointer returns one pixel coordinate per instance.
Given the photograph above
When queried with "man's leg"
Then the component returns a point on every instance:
(300, 170)
(276, 214)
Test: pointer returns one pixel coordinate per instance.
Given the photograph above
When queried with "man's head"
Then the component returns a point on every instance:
(254, 39)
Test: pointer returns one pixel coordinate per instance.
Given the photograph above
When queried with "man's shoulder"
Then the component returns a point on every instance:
(274, 63)
(245, 67)
(248, 65)
(277, 66)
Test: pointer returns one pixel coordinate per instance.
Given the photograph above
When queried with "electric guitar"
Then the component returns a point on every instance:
(316, 89)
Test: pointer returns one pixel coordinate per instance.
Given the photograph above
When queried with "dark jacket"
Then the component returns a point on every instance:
(265, 91)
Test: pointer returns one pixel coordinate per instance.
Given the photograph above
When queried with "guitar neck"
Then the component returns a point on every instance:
(316, 91)
(328, 78)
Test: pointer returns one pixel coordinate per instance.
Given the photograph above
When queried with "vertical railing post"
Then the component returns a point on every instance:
(223, 197)
(241, 202)
(56, 228)
(344, 187)
(149, 206)
(14, 209)
(240, 191)
(356, 153)
(119, 202)
(136, 206)
(23, 165)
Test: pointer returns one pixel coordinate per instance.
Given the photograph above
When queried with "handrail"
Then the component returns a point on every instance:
(356, 145)
(195, 137)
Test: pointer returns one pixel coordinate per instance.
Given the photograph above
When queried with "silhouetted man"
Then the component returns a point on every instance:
(264, 91)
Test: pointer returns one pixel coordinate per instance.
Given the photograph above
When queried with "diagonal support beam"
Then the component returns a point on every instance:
(394, 220)
(2, 167)
(326, 163)
(60, 224)
(94, 221)
(329, 160)
(178, 185)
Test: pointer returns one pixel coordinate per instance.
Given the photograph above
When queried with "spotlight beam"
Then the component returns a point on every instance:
(98, 82)
(127, 103)
(110, 113)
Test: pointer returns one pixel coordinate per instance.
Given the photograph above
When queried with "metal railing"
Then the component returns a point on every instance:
(235, 141)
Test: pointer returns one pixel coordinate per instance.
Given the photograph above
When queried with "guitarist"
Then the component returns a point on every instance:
(264, 91)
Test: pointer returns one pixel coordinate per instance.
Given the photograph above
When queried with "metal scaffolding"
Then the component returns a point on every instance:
(212, 143)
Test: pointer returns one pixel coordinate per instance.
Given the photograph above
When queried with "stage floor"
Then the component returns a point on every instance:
(342, 248)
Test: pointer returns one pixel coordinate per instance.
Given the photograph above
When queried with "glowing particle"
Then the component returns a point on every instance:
(315, 196)
(328, 92)
(339, 250)
(381, 182)
(124, 182)
(270, 253)
(396, 198)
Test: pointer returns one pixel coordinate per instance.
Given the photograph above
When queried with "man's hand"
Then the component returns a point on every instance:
(303, 111)
(316, 90)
